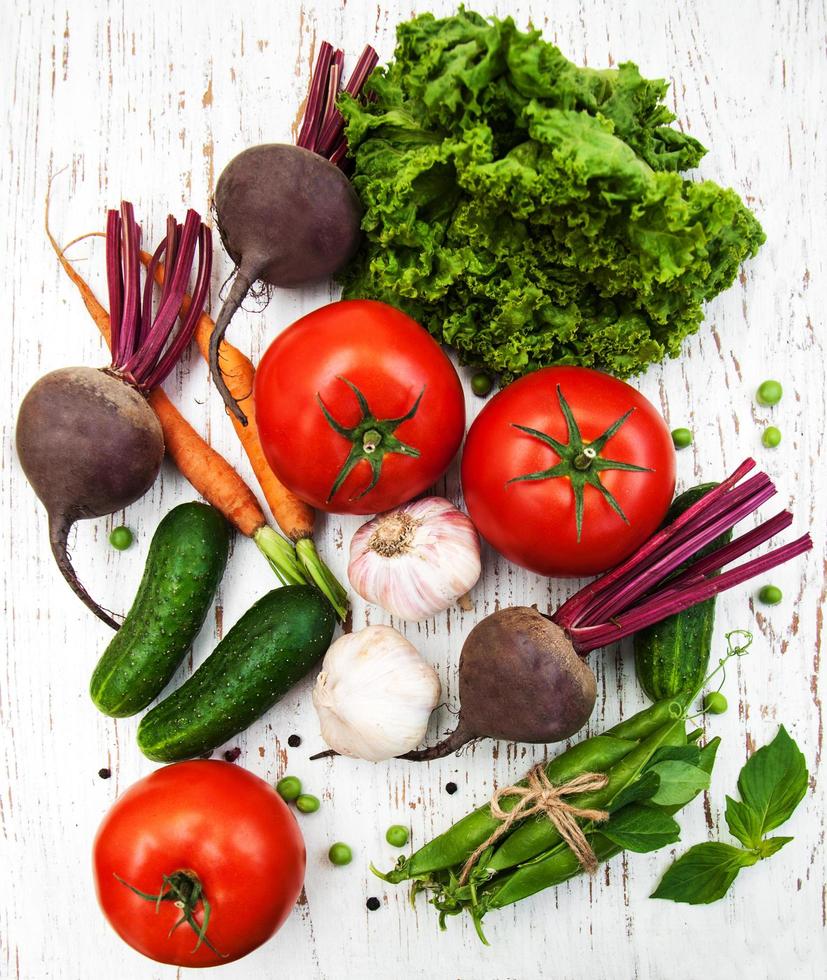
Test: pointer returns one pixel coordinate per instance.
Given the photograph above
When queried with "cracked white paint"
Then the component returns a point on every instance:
(148, 101)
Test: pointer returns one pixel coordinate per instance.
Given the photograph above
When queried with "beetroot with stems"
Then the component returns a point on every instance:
(288, 215)
(520, 673)
(87, 440)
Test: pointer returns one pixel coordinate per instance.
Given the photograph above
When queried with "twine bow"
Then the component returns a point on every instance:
(540, 795)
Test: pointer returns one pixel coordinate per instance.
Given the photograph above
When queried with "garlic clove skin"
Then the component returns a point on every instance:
(375, 694)
(417, 560)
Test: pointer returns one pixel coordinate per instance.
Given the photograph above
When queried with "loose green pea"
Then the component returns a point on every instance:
(681, 438)
(715, 703)
(121, 538)
(289, 788)
(771, 437)
(307, 803)
(770, 595)
(481, 384)
(339, 853)
(769, 393)
(397, 835)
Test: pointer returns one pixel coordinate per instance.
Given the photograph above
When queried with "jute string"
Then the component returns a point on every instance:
(540, 795)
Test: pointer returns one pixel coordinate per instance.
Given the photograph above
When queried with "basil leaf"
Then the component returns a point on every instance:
(774, 781)
(641, 829)
(675, 753)
(743, 822)
(771, 845)
(704, 873)
(679, 782)
(642, 788)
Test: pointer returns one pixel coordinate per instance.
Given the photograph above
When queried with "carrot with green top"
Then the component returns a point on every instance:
(293, 516)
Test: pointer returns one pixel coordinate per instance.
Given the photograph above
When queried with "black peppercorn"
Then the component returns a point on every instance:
(451, 788)
(104, 773)
(232, 754)
(294, 741)
(373, 904)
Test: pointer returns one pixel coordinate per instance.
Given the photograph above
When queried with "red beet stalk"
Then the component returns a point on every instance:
(645, 589)
(146, 345)
(323, 127)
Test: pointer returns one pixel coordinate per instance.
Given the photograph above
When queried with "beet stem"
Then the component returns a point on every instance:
(322, 128)
(585, 639)
(310, 124)
(692, 541)
(59, 527)
(114, 278)
(571, 611)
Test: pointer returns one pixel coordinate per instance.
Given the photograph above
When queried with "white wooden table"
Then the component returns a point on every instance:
(148, 101)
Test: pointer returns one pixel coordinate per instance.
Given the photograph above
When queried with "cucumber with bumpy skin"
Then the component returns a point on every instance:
(187, 557)
(273, 645)
(672, 657)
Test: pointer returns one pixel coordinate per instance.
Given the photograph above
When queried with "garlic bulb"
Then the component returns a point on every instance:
(375, 694)
(416, 560)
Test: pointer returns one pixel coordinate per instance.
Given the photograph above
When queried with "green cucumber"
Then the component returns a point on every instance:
(672, 657)
(186, 560)
(273, 645)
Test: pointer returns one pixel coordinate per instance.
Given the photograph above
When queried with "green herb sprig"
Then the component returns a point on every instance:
(771, 785)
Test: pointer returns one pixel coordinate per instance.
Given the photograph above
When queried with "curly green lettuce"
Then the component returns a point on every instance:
(529, 212)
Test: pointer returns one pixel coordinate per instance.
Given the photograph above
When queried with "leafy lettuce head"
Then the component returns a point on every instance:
(529, 212)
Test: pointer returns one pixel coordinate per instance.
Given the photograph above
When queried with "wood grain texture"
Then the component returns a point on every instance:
(149, 101)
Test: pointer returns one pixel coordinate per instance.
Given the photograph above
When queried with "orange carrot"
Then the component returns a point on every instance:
(292, 515)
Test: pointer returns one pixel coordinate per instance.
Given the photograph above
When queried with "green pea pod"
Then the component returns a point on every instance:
(560, 863)
(537, 835)
(645, 722)
(455, 846)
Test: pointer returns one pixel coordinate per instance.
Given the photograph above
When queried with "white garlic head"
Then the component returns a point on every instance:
(375, 694)
(416, 560)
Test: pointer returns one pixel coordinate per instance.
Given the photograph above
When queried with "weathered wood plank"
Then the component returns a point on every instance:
(149, 101)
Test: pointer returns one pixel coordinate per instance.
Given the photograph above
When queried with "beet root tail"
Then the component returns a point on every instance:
(453, 743)
(246, 274)
(59, 527)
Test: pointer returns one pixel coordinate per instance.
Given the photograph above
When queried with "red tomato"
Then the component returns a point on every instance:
(214, 820)
(533, 522)
(349, 454)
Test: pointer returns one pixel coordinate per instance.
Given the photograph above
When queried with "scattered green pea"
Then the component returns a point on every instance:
(681, 438)
(481, 384)
(307, 803)
(770, 595)
(340, 854)
(289, 788)
(397, 835)
(715, 703)
(121, 538)
(771, 437)
(769, 393)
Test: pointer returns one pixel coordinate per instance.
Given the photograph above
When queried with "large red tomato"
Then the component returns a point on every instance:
(358, 408)
(204, 832)
(567, 471)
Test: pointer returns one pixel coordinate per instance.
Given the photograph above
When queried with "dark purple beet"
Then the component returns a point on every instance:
(520, 680)
(89, 444)
(287, 217)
